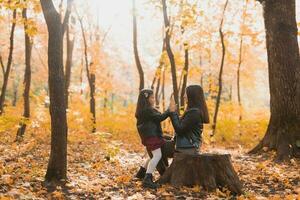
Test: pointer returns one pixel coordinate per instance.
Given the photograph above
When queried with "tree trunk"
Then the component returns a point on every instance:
(157, 91)
(57, 166)
(90, 76)
(70, 47)
(170, 53)
(283, 133)
(27, 80)
(239, 77)
(185, 75)
(92, 101)
(163, 89)
(135, 48)
(240, 63)
(15, 92)
(9, 62)
(210, 171)
(218, 99)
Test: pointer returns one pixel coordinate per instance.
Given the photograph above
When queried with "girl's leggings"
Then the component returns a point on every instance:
(154, 161)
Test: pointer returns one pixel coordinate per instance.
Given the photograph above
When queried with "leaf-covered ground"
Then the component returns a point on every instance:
(100, 167)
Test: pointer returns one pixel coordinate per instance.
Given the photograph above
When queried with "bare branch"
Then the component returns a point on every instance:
(67, 15)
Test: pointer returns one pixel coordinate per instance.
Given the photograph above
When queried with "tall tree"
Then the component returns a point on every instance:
(185, 72)
(238, 79)
(135, 48)
(70, 39)
(57, 165)
(90, 73)
(27, 78)
(170, 52)
(283, 133)
(9, 62)
(220, 80)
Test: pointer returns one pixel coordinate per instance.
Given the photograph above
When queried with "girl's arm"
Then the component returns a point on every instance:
(157, 116)
(183, 126)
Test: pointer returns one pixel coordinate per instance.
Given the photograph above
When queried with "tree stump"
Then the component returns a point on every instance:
(210, 171)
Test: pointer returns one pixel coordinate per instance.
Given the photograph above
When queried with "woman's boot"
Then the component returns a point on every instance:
(148, 182)
(141, 173)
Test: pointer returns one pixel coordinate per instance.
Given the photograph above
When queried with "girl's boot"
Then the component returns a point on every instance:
(148, 182)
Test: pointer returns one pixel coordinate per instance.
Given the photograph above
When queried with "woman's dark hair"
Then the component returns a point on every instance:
(196, 99)
(143, 101)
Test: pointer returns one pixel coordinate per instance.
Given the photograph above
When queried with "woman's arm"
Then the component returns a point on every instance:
(182, 126)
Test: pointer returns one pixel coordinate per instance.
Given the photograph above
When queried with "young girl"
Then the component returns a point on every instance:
(150, 131)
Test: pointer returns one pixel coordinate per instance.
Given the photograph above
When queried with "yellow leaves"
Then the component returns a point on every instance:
(261, 166)
(7, 179)
(57, 195)
(31, 27)
(98, 165)
(196, 188)
(124, 179)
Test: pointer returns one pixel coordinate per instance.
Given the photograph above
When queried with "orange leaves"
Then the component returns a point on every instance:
(124, 179)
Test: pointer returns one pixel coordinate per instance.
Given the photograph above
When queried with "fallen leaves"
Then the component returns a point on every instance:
(91, 176)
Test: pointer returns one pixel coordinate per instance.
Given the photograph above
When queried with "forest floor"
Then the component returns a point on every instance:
(100, 167)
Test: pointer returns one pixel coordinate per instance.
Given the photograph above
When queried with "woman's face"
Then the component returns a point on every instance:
(151, 100)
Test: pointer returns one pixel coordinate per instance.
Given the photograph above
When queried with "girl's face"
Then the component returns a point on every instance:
(151, 100)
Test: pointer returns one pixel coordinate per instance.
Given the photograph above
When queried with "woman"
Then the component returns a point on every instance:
(188, 128)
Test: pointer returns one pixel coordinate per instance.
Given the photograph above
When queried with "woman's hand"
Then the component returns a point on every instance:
(172, 106)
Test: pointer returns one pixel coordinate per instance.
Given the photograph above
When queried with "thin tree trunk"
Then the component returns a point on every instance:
(81, 75)
(239, 77)
(57, 166)
(185, 75)
(157, 92)
(2, 67)
(9, 62)
(68, 72)
(218, 100)
(27, 80)
(170, 53)
(135, 48)
(283, 133)
(163, 89)
(158, 75)
(240, 63)
(15, 92)
(90, 76)
(93, 101)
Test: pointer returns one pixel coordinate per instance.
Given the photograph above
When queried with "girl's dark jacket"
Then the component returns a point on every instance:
(148, 122)
(188, 128)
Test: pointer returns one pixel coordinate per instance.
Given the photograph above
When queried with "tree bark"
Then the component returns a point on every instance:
(239, 77)
(170, 53)
(210, 171)
(135, 48)
(218, 99)
(240, 63)
(9, 62)
(69, 63)
(90, 76)
(283, 133)
(27, 80)
(57, 166)
(185, 74)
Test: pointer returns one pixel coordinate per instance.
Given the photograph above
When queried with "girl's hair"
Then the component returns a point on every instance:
(196, 99)
(143, 101)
